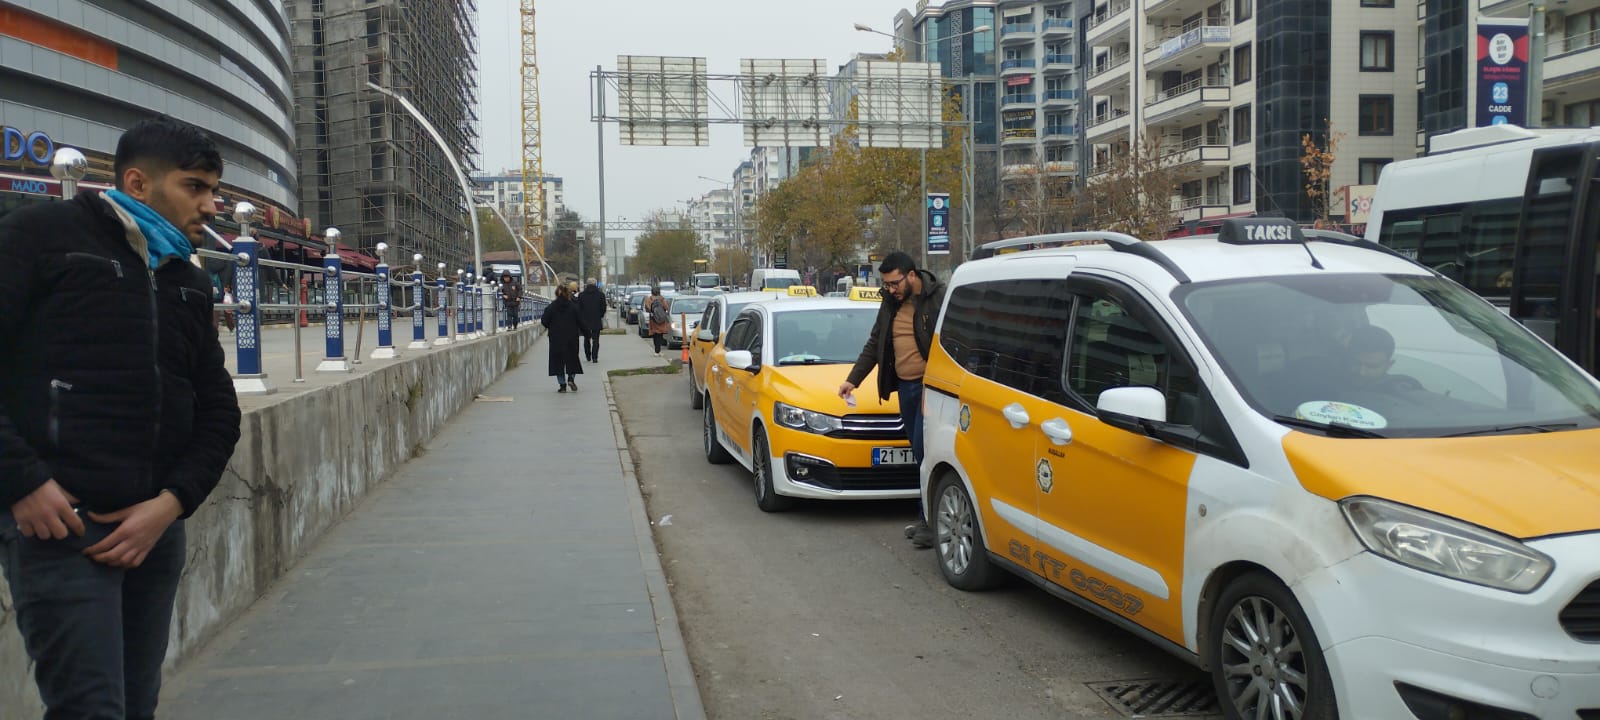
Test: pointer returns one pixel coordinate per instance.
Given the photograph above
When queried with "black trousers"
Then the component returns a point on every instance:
(660, 340)
(591, 344)
(97, 634)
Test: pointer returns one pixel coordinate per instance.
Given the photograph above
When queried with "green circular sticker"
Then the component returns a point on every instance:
(1328, 411)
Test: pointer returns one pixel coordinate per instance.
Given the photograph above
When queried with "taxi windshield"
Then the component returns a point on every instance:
(821, 336)
(1386, 356)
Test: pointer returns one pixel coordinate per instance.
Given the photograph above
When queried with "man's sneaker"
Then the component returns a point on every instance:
(563, 388)
(921, 536)
(573, 384)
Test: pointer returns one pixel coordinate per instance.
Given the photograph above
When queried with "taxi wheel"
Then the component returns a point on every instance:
(716, 454)
(963, 556)
(761, 469)
(695, 398)
(1264, 657)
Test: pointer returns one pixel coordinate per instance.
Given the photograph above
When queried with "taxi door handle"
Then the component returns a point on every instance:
(1059, 432)
(728, 381)
(1016, 415)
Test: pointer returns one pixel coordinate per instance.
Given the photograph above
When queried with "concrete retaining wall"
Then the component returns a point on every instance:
(302, 463)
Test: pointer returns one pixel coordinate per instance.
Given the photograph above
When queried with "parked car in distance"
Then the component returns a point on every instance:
(685, 308)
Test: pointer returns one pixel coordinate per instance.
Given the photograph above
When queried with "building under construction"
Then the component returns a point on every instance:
(366, 166)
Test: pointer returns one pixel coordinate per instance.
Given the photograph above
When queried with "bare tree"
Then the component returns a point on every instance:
(1042, 203)
(1134, 193)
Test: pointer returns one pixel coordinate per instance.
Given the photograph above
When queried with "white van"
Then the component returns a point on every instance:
(773, 278)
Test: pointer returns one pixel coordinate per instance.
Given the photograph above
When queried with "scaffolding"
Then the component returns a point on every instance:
(366, 166)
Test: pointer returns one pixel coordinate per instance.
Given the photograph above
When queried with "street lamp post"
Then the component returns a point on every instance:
(966, 193)
(461, 175)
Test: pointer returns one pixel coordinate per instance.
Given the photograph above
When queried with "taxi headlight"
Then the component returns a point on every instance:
(1442, 546)
(790, 416)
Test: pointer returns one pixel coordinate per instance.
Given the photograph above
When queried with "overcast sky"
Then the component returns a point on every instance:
(576, 35)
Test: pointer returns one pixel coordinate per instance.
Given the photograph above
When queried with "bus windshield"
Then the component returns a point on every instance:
(707, 280)
(1400, 356)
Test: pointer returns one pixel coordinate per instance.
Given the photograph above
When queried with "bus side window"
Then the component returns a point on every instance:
(1544, 252)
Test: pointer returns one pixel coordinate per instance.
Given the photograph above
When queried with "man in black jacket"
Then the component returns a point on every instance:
(592, 311)
(117, 418)
(898, 347)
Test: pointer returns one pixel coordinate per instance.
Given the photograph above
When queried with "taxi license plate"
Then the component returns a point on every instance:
(892, 456)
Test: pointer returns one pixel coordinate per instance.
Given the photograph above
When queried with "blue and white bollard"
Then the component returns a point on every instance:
(385, 349)
(461, 304)
(419, 303)
(250, 379)
(333, 295)
(443, 309)
(477, 291)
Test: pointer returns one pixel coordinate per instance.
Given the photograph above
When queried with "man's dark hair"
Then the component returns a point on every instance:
(897, 260)
(1371, 338)
(162, 144)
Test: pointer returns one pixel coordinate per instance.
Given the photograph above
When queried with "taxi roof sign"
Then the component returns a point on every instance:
(1260, 231)
(802, 291)
(866, 294)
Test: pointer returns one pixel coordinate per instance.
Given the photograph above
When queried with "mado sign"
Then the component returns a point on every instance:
(36, 147)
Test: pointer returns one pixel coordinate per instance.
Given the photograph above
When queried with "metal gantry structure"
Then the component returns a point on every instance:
(533, 205)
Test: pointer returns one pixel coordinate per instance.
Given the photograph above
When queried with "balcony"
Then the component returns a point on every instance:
(1060, 134)
(1057, 62)
(1108, 23)
(1185, 102)
(1573, 67)
(1057, 98)
(1017, 66)
(1422, 74)
(1191, 209)
(1185, 48)
(1108, 127)
(1178, 8)
(1018, 32)
(1028, 99)
(1111, 73)
(1061, 167)
(1011, 172)
(1197, 157)
(1057, 27)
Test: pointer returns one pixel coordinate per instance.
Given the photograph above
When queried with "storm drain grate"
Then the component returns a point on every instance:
(1160, 698)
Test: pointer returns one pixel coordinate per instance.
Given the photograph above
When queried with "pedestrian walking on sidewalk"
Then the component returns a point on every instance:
(117, 417)
(898, 348)
(564, 328)
(592, 309)
(659, 316)
(511, 297)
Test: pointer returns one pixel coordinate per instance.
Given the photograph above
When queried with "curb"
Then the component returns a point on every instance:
(686, 702)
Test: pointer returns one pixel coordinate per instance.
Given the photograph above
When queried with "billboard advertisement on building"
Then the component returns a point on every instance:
(1502, 72)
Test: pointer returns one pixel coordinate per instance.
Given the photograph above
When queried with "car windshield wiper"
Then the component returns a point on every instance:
(1334, 429)
(1529, 427)
(807, 360)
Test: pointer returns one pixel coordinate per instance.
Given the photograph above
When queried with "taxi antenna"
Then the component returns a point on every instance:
(1314, 262)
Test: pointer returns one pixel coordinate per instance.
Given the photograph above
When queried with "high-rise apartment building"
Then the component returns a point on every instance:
(367, 167)
(1227, 87)
(504, 191)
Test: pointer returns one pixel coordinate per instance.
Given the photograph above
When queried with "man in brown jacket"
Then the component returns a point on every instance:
(898, 347)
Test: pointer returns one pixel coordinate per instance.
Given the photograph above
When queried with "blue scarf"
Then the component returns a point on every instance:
(163, 239)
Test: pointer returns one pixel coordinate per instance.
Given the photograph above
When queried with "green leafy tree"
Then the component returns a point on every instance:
(667, 252)
(561, 246)
(494, 234)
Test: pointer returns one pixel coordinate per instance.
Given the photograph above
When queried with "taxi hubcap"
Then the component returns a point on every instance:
(1263, 661)
(954, 527)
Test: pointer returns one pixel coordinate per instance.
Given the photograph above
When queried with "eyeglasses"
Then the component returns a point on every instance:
(895, 283)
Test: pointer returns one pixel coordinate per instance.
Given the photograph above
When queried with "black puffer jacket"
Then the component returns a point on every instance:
(111, 378)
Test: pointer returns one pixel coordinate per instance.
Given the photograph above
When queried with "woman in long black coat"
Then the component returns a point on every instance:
(564, 327)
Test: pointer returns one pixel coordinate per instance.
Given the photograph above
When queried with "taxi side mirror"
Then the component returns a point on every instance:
(739, 360)
(705, 335)
(1135, 409)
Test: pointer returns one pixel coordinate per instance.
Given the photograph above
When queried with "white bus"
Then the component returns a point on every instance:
(706, 281)
(1512, 214)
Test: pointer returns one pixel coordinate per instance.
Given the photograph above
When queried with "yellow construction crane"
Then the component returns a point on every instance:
(533, 209)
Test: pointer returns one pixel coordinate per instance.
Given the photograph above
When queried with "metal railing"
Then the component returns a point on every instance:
(1117, 60)
(330, 291)
(1101, 16)
(1184, 89)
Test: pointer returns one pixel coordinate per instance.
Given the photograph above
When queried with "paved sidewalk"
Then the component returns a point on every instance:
(507, 573)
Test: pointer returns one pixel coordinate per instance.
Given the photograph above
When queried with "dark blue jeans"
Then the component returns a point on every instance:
(911, 418)
(97, 634)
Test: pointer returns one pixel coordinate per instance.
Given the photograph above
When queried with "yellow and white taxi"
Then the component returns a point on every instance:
(862, 293)
(714, 321)
(1340, 482)
(771, 404)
